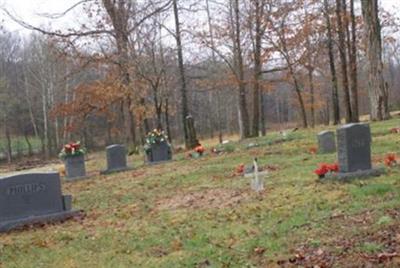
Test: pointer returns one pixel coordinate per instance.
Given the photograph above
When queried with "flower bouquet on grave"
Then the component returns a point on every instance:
(155, 137)
(72, 149)
(324, 169)
(390, 160)
(198, 151)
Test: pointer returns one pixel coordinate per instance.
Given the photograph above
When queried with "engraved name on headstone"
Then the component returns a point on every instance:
(30, 198)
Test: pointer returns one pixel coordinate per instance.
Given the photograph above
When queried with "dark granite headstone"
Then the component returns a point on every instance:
(116, 158)
(159, 152)
(326, 142)
(354, 147)
(75, 167)
(32, 198)
(354, 153)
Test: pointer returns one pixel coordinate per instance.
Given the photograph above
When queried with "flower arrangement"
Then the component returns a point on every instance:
(325, 168)
(72, 149)
(390, 160)
(155, 137)
(240, 169)
(199, 149)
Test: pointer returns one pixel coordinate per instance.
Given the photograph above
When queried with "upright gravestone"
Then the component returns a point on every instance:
(75, 167)
(116, 158)
(326, 142)
(159, 152)
(27, 199)
(354, 152)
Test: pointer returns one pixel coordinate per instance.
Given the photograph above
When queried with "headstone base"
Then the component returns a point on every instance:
(361, 174)
(7, 226)
(110, 171)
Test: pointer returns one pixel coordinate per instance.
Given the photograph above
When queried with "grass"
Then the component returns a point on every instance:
(128, 222)
(19, 145)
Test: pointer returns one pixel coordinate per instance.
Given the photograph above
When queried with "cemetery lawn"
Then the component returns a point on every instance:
(198, 213)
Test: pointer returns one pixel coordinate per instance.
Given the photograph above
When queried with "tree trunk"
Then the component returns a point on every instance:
(30, 151)
(190, 138)
(353, 66)
(262, 108)
(45, 124)
(258, 10)
(214, 59)
(312, 97)
(335, 94)
(243, 114)
(378, 93)
(9, 144)
(167, 124)
(299, 96)
(343, 59)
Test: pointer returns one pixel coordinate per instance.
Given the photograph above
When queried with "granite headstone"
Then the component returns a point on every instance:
(116, 158)
(326, 142)
(32, 198)
(354, 147)
(354, 153)
(159, 152)
(75, 167)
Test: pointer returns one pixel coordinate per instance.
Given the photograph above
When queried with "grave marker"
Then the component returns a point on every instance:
(354, 152)
(326, 142)
(159, 152)
(32, 198)
(75, 167)
(116, 158)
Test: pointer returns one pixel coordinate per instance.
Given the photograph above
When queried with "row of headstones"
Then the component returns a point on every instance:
(116, 160)
(353, 150)
(26, 199)
(37, 197)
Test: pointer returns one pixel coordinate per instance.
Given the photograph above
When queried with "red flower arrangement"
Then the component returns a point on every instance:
(240, 169)
(325, 168)
(72, 149)
(199, 149)
(390, 160)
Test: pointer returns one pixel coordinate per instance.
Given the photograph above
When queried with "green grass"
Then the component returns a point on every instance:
(19, 145)
(126, 226)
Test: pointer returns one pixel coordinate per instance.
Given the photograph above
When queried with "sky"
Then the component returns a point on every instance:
(30, 10)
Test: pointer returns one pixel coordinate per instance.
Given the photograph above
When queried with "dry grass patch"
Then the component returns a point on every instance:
(210, 198)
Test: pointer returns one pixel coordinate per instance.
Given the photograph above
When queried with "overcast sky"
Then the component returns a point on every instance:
(28, 10)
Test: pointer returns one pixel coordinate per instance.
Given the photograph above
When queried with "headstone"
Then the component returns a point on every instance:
(354, 152)
(27, 199)
(326, 142)
(116, 158)
(75, 167)
(159, 152)
(354, 147)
